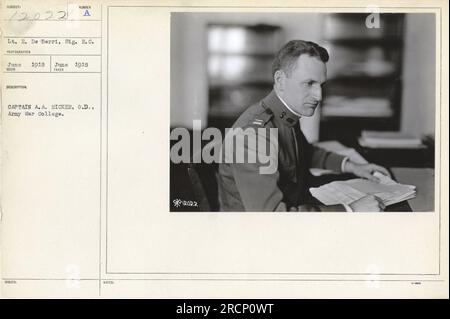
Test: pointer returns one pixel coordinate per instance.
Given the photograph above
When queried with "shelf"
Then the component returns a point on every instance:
(224, 112)
(219, 85)
(391, 41)
(364, 78)
(363, 90)
(258, 40)
(262, 55)
(259, 28)
(347, 118)
(386, 16)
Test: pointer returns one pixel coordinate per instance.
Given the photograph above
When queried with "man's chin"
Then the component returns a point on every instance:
(309, 111)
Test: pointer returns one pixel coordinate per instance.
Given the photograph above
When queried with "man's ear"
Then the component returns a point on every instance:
(279, 78)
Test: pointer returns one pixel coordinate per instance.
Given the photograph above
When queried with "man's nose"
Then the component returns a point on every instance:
(317, 93)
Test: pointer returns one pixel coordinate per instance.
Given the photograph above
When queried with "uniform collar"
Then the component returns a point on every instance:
(280, 109)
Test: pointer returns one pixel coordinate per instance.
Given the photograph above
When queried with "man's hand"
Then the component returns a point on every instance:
(368, 203)
(365, 170)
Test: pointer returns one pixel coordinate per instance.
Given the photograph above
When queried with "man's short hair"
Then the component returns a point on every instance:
(288, 55)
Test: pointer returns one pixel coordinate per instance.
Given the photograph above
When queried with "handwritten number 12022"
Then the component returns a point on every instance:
(47, 15)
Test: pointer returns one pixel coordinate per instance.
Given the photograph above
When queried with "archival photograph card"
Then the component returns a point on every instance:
(224, 149)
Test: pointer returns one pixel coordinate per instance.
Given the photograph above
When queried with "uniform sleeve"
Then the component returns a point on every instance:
(326, 160)
(257, 181)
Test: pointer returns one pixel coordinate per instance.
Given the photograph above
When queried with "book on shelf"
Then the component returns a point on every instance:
(389, 139)
(357, 107)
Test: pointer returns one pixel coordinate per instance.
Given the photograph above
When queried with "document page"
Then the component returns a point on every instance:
(346, 192)
(51, 125)
(100, 200)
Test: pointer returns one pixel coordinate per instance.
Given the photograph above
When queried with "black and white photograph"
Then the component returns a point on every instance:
(302, 112)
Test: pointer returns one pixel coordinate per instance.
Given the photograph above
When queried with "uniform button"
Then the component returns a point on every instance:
(282, 114)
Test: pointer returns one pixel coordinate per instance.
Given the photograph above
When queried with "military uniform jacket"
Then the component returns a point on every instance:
(242, 187)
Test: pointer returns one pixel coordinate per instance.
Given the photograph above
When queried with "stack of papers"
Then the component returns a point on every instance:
(375, 139)
(346, 192)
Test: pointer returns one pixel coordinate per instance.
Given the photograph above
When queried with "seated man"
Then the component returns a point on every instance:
(299, 72)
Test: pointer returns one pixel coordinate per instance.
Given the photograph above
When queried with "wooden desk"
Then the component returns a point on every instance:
(423, 179)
